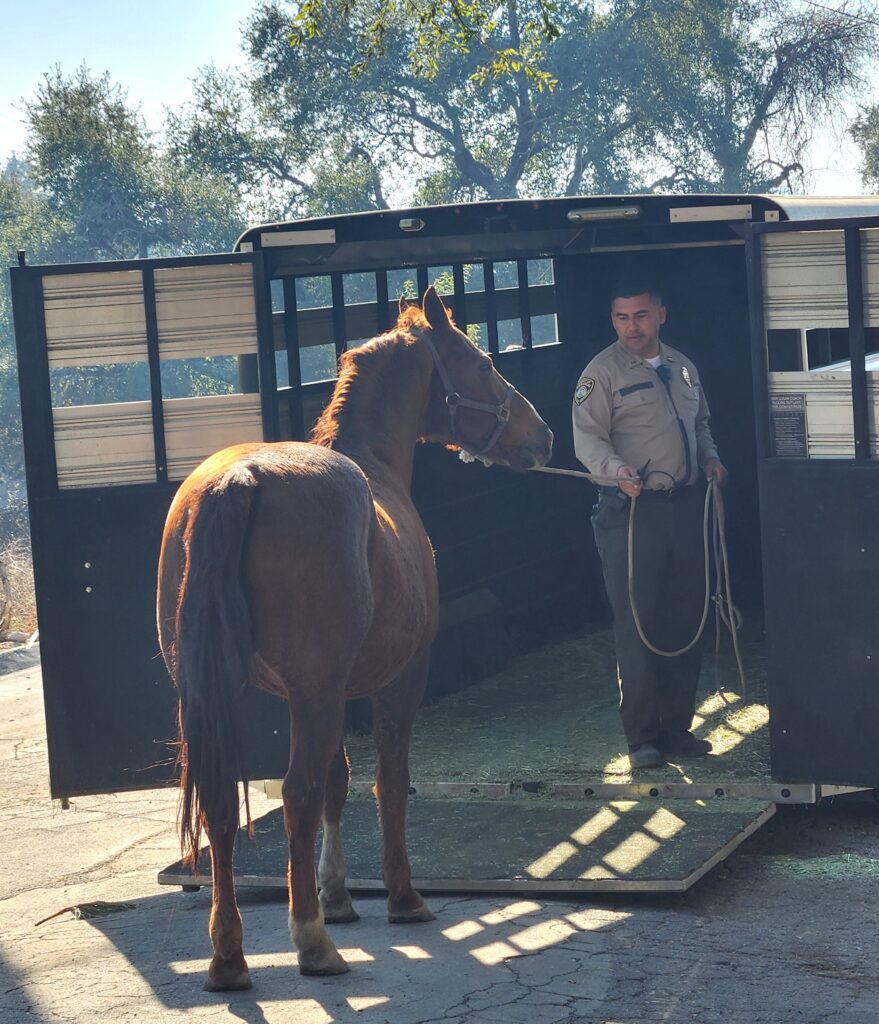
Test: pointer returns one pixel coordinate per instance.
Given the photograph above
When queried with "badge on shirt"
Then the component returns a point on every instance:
(685, 373)
(584, 389)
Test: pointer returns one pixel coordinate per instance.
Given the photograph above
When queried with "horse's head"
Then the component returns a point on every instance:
(471, 405)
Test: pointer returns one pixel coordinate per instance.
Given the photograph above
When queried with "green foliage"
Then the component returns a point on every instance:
(446, 102)
(89, 156)
(26, 222)
(457, 26)
(115, 195)
(315, 120)
(736, 86)
(865, 132)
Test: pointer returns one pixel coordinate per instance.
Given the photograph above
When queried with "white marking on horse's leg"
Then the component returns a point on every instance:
(332, 860)
(332, 871)
(317, 954)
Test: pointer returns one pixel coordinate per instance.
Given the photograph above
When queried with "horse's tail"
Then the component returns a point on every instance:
(214, 657)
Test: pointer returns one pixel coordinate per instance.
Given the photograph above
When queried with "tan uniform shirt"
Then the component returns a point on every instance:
(626, 415)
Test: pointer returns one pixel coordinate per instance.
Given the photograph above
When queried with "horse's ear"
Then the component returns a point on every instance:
(402, 304)
(433, 308)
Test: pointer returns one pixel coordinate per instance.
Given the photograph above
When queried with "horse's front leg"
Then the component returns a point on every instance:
(394, 710)
(316, 731)
(334, 896)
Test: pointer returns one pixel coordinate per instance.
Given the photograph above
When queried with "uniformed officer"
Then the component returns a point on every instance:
(640, 416)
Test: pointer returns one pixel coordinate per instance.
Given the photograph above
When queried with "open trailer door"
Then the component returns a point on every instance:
(814, 301)
(101, 474)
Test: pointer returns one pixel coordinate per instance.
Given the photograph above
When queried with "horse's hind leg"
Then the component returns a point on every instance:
(228, 968)
(334, 896)
(394, 710)
(316, 732)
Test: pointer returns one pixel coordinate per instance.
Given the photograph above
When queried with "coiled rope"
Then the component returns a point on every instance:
(713, 537)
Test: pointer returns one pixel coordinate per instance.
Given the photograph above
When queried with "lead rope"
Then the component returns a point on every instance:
(725, 610)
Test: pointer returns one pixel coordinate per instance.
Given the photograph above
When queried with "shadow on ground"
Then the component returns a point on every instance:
(782, 932)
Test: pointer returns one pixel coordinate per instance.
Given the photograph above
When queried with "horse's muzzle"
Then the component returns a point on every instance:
(534, 455)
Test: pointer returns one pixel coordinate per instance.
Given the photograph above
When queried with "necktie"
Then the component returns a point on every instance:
(664, 371)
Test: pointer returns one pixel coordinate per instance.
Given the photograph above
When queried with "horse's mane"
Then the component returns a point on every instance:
(372, 359)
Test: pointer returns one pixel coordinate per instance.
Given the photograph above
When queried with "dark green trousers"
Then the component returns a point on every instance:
(657, 695)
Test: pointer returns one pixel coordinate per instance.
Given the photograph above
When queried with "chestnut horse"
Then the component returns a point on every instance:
(304, 569)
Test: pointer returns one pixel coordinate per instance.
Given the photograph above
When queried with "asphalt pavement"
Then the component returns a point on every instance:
(784, 931)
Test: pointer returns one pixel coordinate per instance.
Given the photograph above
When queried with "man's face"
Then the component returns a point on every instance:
(637, 321)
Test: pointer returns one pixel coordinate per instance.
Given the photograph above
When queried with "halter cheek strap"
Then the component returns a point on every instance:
(454, 401)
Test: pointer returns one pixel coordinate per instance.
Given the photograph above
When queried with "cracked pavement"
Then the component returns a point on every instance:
(782, 932)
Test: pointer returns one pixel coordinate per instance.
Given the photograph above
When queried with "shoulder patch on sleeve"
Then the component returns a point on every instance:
(584, 389)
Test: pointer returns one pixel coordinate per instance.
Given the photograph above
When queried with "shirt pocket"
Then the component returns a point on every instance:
(636, 402)
(688, 399)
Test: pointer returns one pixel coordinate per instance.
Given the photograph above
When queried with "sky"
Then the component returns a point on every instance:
(151, 48)
(154, 48)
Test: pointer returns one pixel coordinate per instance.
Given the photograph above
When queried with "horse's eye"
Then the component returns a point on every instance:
(485, 366)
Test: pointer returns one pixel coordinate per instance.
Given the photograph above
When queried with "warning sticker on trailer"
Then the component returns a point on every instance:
(787, 420)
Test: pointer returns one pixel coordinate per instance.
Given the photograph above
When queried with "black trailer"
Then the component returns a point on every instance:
(775, 298)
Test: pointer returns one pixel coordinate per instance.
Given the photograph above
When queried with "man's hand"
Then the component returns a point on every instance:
(628, 481)
(715, 470)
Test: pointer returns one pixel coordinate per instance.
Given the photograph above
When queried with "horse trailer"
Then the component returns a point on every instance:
(775, 298)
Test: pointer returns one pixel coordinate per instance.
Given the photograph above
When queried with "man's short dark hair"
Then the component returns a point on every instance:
(636, 284)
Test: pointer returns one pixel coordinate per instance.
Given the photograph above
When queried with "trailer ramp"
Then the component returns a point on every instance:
(519, 844)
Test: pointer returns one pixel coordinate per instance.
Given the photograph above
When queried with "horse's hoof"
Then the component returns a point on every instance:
(415, 916)
(338, 911)
(228, 975)
(322, 962)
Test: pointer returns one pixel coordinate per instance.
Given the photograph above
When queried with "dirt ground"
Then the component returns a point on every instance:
(784, 931)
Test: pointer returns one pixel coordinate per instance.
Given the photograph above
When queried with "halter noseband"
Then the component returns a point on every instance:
(454, 401)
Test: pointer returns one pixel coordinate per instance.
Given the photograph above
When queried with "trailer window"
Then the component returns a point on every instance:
(792, 351)
(506, 275)
(478, 334)
(99, 384)
(401, 283)
(540, 272)
(509, 333)
(317, 363)
(826, 346)
(442, 279)
(359, 292)
(317, 349)
(277, 290)
(785, 350)
(503, 307)
(544, 330)
(474, 277)
(186, 378)
(313, 292)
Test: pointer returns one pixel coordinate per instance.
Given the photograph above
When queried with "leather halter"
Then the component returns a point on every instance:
(454, 401)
